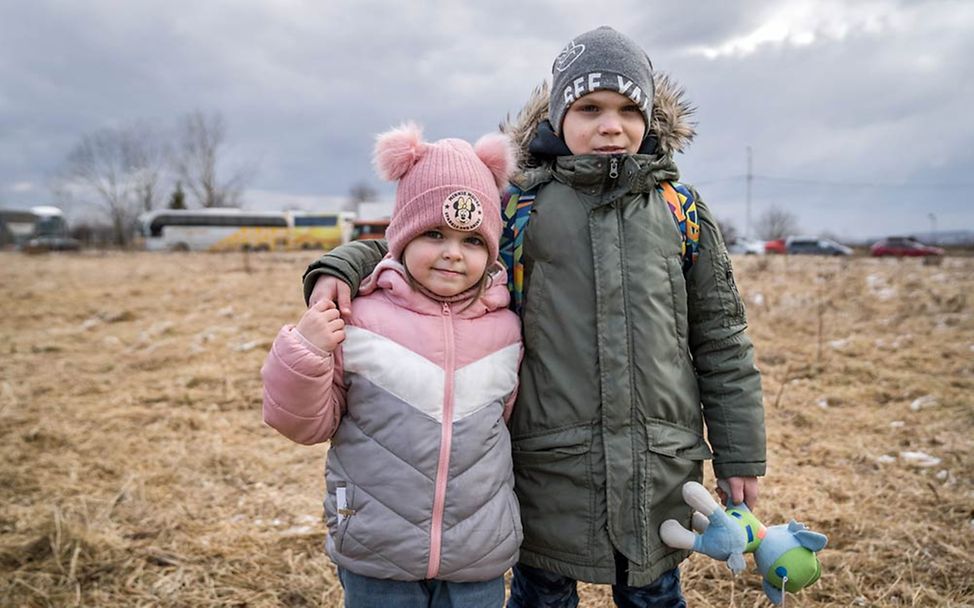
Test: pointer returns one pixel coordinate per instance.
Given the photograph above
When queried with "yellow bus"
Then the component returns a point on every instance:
(320, 230)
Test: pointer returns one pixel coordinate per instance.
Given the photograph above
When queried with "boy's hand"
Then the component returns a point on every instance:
(332, 289)
(742, 489)
(322, 325)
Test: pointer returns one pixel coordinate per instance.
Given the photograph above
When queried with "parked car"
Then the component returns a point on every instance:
(775, 246)
(746, 247)
(43, 244)
(901, 246)
(803, 245)
(364, 230)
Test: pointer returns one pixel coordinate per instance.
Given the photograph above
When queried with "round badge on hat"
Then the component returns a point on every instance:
(463, 211)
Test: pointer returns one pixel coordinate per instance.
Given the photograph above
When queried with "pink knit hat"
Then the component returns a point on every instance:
(444, 183)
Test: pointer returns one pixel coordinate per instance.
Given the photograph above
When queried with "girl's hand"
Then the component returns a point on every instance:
(322, 325)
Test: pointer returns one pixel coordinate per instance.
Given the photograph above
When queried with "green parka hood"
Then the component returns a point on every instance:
(672, 129)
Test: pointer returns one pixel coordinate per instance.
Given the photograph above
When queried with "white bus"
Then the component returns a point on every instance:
(232, 229)
(39, 228)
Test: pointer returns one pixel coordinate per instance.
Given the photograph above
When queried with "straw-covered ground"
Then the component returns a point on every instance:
(136, 470)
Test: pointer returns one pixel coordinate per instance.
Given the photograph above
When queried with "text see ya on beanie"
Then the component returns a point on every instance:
(444, 183)
(600, 59)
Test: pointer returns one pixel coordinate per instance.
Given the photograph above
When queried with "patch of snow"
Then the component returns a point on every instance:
(839, 344)
(823, 403)
(897, 424)
(111, 341)
(923, 402)
(297, 531)
(920, 459)
(247, 346)
(225, 312)
(886, 459)
(758, 300)
(885, 295)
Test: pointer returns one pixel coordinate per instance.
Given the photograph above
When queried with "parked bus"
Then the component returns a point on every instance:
(316, 230)
(231, 229)
(39, 228)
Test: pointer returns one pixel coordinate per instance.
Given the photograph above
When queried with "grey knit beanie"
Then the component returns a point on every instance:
(601, 59)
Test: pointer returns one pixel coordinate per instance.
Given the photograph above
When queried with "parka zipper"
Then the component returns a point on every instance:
(614, 167)
(446, 437)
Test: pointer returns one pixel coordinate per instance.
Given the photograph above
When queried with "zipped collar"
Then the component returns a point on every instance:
(605, 176)
(390, 276)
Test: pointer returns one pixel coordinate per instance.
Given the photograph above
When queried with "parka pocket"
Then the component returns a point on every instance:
(535, 302)
(730, 298)
(674, 455)
(515, 510)
(340, 510)
(553, 483)
(678, 289)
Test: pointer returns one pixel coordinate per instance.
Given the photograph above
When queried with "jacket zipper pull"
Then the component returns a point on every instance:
(446, 309)
(613, 167)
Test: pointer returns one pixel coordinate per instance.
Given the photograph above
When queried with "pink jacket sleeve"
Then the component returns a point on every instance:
(304, 397)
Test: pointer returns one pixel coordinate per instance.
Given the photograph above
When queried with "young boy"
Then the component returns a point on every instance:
(631, 343)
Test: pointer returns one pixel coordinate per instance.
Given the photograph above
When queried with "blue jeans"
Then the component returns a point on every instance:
(536, 588)
(367, 592)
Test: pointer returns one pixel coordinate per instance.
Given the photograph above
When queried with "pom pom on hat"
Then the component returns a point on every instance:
(396, 151)
(497, 152)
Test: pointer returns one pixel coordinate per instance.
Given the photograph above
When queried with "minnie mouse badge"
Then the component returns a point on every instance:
(463, 211)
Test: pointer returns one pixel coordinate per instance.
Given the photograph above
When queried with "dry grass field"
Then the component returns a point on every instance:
(136, 470)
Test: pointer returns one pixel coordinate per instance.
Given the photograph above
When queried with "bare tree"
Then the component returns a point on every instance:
(728, 230)
(360, 192)
(119, 171)
(202, 140)
(147, 156)
(776, 223)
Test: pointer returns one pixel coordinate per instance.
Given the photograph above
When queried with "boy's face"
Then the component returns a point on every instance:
(603, 122)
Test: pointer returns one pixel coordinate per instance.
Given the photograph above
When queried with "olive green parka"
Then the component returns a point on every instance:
(627, 360)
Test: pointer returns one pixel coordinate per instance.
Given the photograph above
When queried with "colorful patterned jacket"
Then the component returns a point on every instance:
(419, 474)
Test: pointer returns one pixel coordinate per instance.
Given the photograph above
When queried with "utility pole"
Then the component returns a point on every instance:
(747, 220)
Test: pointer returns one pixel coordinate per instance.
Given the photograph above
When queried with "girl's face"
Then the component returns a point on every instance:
(604, 122)
(446, 261)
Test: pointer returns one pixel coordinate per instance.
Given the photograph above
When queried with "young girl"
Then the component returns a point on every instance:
(414, 392)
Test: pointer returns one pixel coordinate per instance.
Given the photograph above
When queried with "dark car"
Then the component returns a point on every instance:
(800, 245)
(43, 244)
(364, 230)
(901, 246)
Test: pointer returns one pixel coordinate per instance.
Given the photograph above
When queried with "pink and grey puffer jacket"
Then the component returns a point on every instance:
(415, 403)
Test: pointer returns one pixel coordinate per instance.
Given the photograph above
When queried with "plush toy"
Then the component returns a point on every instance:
(785, 554)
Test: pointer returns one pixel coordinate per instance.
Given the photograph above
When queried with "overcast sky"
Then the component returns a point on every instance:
(859, 114)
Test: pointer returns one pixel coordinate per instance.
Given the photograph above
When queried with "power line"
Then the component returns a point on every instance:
(855, 184)
(839, 183)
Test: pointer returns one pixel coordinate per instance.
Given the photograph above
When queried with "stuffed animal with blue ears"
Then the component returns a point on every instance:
(784, 554)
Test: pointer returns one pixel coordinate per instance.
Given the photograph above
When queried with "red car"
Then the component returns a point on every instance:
(775, 246)
(364, 230)
(901, 246)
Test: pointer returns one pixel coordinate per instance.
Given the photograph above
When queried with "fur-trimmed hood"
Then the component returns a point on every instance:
(671, 124)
